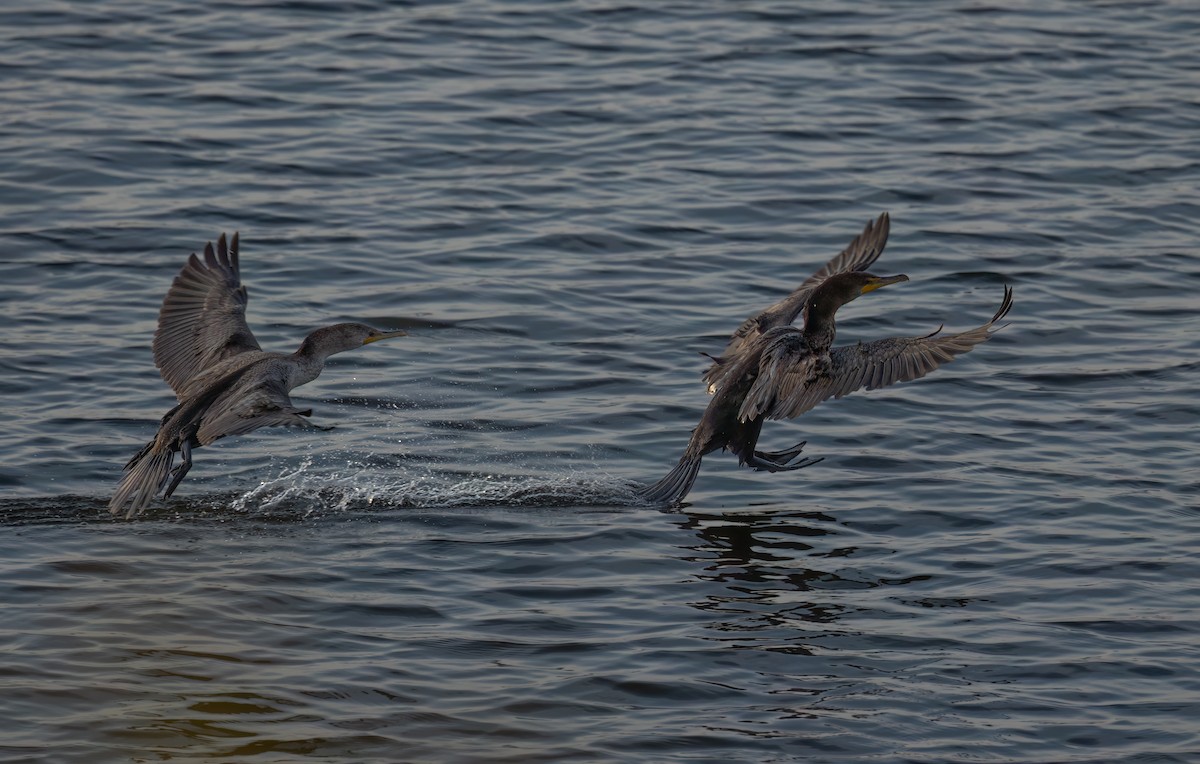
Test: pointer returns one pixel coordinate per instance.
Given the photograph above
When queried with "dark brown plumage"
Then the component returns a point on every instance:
(226, 384)
(772, 370)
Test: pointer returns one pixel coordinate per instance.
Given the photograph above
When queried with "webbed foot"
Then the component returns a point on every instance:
(784, 456)
(761, 464)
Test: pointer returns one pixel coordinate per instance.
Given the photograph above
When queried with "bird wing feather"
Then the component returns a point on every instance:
(262, 401)
(858, 255)
(784, 367)
(787, 386)
(203, 316)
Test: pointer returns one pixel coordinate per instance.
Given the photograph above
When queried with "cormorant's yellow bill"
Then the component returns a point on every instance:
(377, 336)
(882, 281)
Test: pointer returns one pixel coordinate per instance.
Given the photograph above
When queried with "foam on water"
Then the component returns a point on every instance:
(322, 484)
(310, 489)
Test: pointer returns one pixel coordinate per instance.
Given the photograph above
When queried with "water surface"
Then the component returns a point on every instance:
(564, 203)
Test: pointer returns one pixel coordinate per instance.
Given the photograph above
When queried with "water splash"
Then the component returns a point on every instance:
(316, 486)
(357, 485)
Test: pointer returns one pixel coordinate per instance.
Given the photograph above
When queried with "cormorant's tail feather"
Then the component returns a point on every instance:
(144, 477)
(674, 486)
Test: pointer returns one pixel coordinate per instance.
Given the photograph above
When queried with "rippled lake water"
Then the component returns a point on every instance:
(564, 203)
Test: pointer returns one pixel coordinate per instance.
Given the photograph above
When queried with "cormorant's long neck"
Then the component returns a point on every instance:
(819, 326)
(310, 359)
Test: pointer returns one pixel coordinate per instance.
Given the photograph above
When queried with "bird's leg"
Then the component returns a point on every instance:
(782, 457)
(181, 469)
(761, 464)
(302, 421)
(745, 437)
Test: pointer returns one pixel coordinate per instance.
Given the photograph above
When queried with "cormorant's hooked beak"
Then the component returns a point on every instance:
(377, 335)
(876, 282)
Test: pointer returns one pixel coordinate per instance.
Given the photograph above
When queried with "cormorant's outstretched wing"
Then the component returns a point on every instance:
(789, 384)
(260, 399)
(858, 255)
(203, 316)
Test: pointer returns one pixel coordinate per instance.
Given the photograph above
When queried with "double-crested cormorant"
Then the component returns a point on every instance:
(226, 384)
(771, 370)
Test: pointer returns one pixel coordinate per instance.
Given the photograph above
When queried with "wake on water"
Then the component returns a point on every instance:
(361, 486)
(302, 490)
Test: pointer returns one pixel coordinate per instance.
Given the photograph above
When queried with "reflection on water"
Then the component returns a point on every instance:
(763, 561)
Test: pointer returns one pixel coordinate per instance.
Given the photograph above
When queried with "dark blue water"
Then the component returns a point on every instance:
(564, 203)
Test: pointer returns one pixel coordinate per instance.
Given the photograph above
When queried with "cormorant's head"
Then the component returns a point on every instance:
(838, 290)
(339, 338)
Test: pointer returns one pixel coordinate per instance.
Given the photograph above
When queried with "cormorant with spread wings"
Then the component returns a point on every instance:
(772, 370)
(226, 384)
